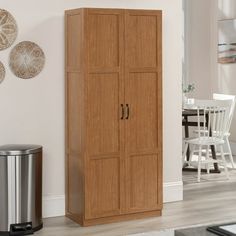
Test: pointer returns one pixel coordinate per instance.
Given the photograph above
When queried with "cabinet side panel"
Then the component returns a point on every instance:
(74, 115)
(74, 41)
(75, 144)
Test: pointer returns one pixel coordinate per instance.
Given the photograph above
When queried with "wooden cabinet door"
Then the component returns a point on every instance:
(105, 94)
(143, 145)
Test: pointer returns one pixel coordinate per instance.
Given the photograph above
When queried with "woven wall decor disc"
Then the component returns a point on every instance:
(8, 29)
(2, 72)
(27, 60)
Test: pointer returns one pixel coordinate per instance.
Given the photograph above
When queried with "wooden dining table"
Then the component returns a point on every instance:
(186, 114)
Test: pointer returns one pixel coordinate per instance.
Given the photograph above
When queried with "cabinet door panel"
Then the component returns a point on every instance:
(143, 39)
(103, 118)
(105, 129)
(104, 146)
(143, 182)
(104, 38)
(143, 146)
(141, 95)
(104, 190)
(142, 150)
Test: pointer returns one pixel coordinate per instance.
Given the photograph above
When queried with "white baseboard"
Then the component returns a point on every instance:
(53, 206)
(233, 148)
(173, 191)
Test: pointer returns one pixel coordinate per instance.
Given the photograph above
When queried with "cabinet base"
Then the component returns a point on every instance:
(112, 219)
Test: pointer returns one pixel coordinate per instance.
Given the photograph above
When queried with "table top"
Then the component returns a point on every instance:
(202, 230)
(198, 231)
(191, 112)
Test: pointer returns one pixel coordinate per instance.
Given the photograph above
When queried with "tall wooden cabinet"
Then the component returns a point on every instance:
(113, 114)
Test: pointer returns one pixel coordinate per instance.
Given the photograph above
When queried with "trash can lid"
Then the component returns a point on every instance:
(19, 149)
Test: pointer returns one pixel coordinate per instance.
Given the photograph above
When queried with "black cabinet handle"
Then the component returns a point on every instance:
(127, 112)
(122, 111)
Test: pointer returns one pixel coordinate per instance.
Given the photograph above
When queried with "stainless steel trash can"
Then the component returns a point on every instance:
(20, 189)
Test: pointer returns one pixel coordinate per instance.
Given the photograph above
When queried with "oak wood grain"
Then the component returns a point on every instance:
(75, 121)
(143, 93)
(113, 165)
(105, 129)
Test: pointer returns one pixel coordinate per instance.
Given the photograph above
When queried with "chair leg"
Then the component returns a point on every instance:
(191, 154)
(224, 161)
(207, 158)
(184, 153)
(199, 164)
(230, 152)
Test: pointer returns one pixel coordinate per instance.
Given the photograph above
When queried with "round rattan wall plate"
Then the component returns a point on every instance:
(26, 60)
(8, 29)
(2, 72)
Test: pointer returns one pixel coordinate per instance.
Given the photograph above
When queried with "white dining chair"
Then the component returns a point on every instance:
(212, 117)
(217, 96)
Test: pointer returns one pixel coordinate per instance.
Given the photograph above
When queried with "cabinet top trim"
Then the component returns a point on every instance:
(149, 11)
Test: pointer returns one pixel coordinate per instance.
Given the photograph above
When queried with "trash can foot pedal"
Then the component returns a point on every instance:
(21, 229)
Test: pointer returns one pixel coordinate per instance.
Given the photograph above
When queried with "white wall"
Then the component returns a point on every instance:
(202, 39)
(32, 111)
(198, 47)
(225, 82)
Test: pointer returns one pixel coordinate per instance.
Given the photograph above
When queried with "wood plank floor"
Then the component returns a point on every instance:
(211, 201)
